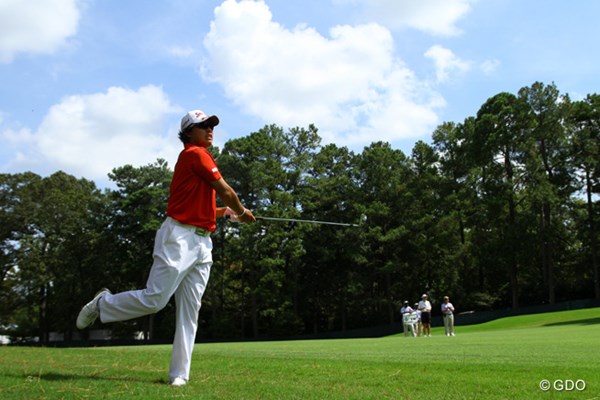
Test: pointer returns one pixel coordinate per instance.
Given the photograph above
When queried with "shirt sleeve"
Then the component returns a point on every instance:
(206, 167)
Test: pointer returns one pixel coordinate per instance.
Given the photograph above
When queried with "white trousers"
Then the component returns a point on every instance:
(182, 262)
(449, 324)
(410, 327)
(408, 323)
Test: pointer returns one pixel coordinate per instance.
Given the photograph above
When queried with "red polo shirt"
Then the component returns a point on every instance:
(192, 199)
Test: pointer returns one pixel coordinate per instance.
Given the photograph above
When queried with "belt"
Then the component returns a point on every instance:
(196, 229)
(201, 231)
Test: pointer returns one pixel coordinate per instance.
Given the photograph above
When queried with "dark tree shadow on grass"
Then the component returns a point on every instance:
(588, 321)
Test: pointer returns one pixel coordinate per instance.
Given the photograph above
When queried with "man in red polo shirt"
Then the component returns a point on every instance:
(182, 248)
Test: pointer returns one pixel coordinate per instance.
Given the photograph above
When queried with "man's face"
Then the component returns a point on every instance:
(201, 135)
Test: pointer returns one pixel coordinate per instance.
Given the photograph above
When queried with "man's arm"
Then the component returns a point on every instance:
(231, 200)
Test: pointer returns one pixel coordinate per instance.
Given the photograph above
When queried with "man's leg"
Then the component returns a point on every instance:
(413, 329)
(175, 252)
(188, 297)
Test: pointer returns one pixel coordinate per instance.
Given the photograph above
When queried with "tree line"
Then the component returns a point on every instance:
(498, 211)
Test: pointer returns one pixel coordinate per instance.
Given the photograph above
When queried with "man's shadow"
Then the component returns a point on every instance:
(57, 376)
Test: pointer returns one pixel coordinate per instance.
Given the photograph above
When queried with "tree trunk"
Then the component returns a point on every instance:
(43, 320)
(547, 258)
(511, 233)
(254, 314)
(390, 300)
(592, 232)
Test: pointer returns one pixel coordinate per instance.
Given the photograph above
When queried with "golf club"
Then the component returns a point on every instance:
(306, 221)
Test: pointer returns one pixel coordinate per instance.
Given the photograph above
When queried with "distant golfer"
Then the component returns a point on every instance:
(182, 247)
(425, 308)
(448, 315)
(406, 311)
(419, 325)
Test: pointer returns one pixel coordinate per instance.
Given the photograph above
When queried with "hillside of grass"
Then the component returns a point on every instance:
(582, 317)
(502, 359)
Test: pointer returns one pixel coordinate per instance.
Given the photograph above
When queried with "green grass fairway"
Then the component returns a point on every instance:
(502, 359)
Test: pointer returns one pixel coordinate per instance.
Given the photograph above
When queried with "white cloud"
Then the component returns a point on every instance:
(490, 66)
(446, 62)
(350, 84)
(435, 17)
(89, 135)
(182, 52)
(35, 26)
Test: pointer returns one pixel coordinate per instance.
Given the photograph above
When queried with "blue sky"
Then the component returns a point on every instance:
(90, 85)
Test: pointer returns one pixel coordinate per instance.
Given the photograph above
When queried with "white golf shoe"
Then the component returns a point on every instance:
(177, 381)
(89, 312)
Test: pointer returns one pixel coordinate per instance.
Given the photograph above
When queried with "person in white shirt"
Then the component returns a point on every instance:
(448, 315)
(425, 308)
(406, 312)
(419, 325)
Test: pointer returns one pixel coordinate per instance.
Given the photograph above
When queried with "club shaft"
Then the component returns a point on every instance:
(306, 221)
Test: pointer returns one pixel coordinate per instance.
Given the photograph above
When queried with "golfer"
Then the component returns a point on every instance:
(425, 308)
(419, 325)
(448, 315)
(406, 311)
(182, 247)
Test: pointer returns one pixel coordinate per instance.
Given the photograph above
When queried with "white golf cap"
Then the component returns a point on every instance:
(424, 295)
(197, 117)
